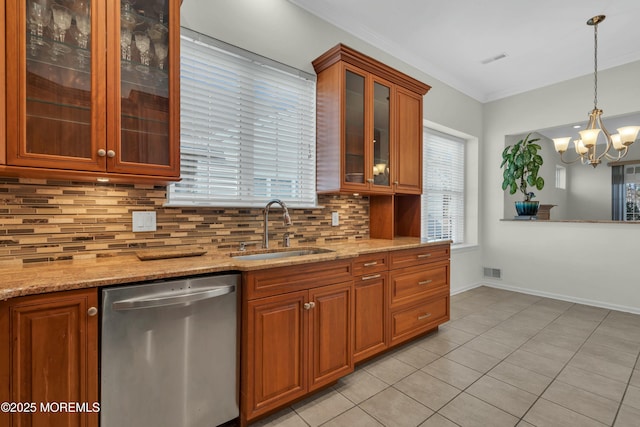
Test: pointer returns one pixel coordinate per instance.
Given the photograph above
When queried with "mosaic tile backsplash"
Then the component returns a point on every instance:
(54, 220)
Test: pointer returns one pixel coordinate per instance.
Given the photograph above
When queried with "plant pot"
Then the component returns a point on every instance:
(527, 208)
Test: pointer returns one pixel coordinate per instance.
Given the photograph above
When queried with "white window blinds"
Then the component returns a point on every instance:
(443, 194)
(247, 128)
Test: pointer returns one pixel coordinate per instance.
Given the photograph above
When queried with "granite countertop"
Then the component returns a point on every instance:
(88, 273)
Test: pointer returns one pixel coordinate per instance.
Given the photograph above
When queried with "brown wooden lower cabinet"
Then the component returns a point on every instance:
(370, 336)
(294, 342)
(49, 358)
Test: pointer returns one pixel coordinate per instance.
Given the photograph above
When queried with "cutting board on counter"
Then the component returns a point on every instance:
(161, 253)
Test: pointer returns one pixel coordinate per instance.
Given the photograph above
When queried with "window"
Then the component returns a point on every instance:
(443, 207)
(247, 128)
(561, 177)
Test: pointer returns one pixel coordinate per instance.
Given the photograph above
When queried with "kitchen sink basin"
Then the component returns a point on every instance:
(275, 254)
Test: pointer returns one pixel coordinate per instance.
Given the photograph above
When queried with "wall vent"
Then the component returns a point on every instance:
(494, 273)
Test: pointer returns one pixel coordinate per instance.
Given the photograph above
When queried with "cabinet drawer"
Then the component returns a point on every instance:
(423, 255)
(370, 263)
(274, 281)
(418, 318)
(419, 282)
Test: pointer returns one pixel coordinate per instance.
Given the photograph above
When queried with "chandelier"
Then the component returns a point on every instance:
(587, 147)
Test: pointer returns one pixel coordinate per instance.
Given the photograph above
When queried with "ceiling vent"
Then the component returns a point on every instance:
(493, 59)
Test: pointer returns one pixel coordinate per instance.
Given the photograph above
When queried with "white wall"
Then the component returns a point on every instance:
(281, 31)
(591, 262)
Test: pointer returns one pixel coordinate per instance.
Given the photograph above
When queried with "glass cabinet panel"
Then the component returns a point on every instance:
(58, 81)
(354, 128)
(144, 94)
(381, 119)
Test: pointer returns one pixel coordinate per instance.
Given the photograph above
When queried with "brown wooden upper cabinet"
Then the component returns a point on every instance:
(369, 126)
(93, 89)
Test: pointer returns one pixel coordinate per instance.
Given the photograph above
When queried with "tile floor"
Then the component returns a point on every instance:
(504, 359)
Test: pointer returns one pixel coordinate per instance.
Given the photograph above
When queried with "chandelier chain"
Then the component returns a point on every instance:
(595, 67)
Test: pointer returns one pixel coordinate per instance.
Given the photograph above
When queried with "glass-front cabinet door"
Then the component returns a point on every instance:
(92, 86)
(367, 133)
(54, 82)
(146, 122)
(381, 153)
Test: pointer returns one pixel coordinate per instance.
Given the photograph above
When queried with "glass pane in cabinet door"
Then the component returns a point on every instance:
(144, 100)
(381, 112)
(354, 128)
(58, 78)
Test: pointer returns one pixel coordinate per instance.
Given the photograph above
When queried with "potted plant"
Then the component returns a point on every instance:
(521, 163)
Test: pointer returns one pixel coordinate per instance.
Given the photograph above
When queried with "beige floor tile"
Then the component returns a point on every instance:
(616, 343)
(508, 338)
(322, 407)
(395, 409)
(284, 418)
(585, 326)
(389, 369)
(621, 330)
(456, 335)
(548, 414)
(470, 326)
(468, 411)
(595, 383)
(635, 378)
(473, 359)
(489, 347)
(581, 401)
(555, 305)
(415, 356)
(632, 397)
(502, 395)
(627, 417)
(520, 377)
(535, 363)
(561, 340)
(452, 373)
(604, 352)
(601, 366)
(437, 420)
(437, 345)
(360, 385)
(428, 390)
(354, 417)
(548, 350)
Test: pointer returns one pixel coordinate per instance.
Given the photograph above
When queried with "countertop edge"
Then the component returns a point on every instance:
(32, 279)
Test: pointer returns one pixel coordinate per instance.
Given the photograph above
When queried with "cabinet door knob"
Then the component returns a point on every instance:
(309, 305)
(92, 311)
(395, 182)
(370, 180)
(111, 154)
(102, 152)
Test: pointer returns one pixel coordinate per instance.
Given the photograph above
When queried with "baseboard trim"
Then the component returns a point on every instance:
(562, 297)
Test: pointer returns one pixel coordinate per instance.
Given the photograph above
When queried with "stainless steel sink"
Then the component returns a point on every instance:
(274, 254)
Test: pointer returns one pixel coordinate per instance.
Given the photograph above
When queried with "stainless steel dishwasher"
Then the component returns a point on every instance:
(168, 356)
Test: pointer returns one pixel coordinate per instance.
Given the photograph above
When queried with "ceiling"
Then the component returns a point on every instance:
(544, 41)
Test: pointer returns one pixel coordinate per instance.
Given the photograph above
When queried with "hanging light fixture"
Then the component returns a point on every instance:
(586, 146)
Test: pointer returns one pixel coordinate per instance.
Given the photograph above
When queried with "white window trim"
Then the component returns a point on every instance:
(471, 185)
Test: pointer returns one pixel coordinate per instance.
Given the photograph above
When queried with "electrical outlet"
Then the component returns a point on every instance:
(335, 219)
(143, 221)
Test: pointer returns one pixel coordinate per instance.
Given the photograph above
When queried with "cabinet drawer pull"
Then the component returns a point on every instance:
(424, 255)
(424, 316)
(309, 305)
(92, 311)
(370, 264)
(425, 282)
(373, 276)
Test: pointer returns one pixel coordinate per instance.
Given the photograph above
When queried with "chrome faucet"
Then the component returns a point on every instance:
(286, 217)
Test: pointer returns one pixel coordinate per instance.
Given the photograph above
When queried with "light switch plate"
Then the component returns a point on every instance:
(144, 221)
(335, 219)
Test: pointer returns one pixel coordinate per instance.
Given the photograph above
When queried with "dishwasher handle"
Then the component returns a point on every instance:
(172, 300)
